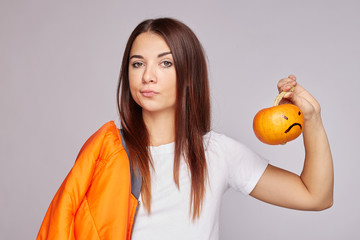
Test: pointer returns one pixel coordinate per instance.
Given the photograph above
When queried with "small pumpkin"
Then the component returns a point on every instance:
(278, 124)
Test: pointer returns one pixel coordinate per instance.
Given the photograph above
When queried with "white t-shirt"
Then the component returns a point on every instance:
(230, 164)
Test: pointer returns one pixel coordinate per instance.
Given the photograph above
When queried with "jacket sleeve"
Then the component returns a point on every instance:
(59, 219)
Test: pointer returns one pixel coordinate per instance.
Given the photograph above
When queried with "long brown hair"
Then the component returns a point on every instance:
(192, 114)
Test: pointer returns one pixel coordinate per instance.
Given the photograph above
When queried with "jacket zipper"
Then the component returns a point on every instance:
(136, 211)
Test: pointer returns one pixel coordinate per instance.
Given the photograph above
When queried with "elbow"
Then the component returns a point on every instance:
(329, 204)
(323, 205)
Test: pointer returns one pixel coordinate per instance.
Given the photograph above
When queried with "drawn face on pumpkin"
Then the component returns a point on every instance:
(298, 123)
(279, 124)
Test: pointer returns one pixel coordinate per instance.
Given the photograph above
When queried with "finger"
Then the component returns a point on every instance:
(287, 80)
(289, 87)
(286, 84)
(291, 76)
(289, 98)
(293, 98)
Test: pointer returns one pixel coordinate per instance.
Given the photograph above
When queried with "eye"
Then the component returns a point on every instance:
(166, 64)
(137, 64)
(299, 113)
(284, 117)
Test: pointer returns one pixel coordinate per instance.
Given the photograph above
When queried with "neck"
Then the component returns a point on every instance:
(160, 126)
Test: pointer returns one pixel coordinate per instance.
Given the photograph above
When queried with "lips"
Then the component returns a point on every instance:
(148, 93)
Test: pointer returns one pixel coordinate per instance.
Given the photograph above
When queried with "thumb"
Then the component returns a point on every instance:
(304, 105)
(293, 98)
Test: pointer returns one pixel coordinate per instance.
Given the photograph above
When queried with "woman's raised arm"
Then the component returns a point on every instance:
(313, 189)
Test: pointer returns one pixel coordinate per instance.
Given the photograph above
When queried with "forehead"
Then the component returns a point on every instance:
(149, 43)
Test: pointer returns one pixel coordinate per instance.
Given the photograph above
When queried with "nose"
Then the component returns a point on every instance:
(149, 75)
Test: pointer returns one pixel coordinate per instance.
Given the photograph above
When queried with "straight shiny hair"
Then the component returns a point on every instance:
(192, 114)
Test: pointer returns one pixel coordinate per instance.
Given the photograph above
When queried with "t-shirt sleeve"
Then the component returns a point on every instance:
(245, 167)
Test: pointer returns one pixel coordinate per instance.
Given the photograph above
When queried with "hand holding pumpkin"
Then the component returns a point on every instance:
(283, 123)
(299, 97)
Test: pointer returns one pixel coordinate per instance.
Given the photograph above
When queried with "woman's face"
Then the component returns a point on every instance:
(152, 74)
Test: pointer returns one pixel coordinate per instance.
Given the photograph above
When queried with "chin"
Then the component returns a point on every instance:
(157, 110)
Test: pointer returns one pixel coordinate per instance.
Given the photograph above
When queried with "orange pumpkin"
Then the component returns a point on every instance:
(278, 124)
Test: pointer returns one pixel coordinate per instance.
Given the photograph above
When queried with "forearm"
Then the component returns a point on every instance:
(317, 175)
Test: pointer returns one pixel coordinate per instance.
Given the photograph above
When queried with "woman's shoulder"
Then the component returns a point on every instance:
(223, 144)
(220, 141)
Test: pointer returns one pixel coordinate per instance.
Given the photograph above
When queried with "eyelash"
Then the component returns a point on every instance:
(137, 64)
(165, 64)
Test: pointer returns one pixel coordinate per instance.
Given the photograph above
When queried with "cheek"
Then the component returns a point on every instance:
(171, 91)
(135, 75)
(135, 97)
(171, 84)
(134, 80)
(173, 88)
(133, 89)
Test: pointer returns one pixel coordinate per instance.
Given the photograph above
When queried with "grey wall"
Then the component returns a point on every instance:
(59, 63)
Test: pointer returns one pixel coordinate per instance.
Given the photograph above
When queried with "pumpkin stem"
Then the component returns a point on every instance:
(280, 97)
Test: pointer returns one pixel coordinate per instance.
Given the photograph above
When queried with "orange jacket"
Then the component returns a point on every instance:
(96, 199)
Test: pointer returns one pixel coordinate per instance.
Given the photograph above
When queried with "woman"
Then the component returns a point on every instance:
(183, 166)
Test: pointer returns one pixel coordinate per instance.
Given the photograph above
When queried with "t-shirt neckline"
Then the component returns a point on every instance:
(165, 148)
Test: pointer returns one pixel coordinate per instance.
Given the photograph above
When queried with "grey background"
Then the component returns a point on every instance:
(59, 64)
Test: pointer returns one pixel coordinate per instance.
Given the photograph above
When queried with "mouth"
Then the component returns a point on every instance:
(293, 125)
(148, 93)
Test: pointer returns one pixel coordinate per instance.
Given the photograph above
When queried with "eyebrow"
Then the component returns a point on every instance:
(163, 54)
(160, 55)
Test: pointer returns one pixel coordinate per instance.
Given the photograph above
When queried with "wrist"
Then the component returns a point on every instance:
(314, 121)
